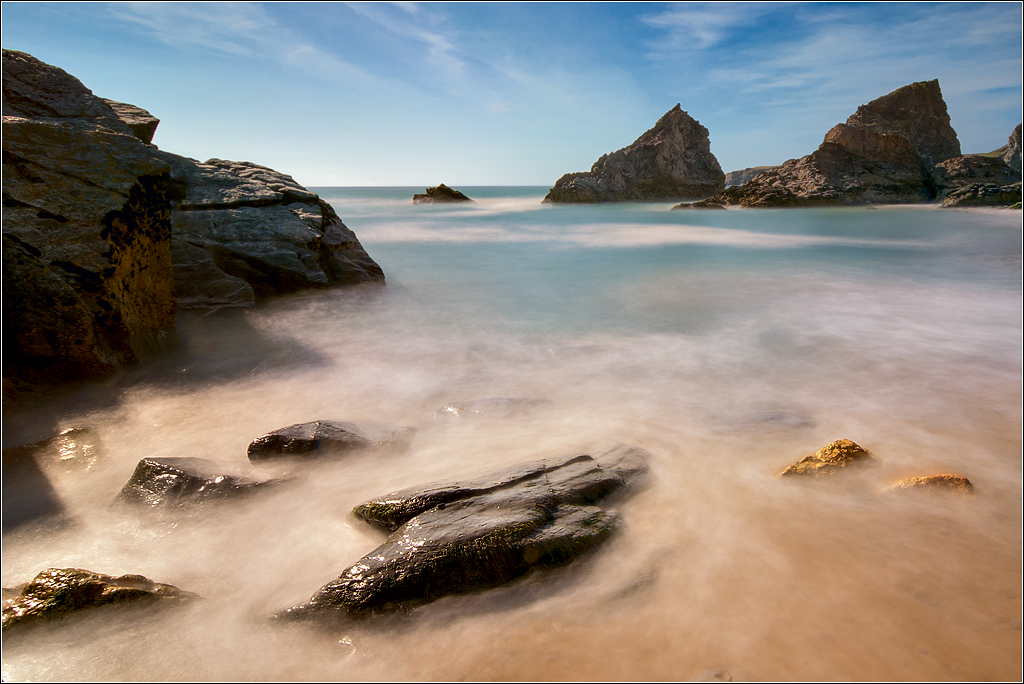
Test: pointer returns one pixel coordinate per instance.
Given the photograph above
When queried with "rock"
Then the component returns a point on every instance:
(467, 536)
(244, 232)
(1011, 150)
(58, 593)
(441, 193)
(829, 460)
(87, 281)
(955, 483)
(984, 195)
(884, 153)
(494, 407)
(743, 175)
(703, 204)
(142, 123)
(671, 161)
(176, 482)
(916, 112)
(325, 438)
(74, 449)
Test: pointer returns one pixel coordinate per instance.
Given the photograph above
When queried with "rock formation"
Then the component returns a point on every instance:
(243, 232)
(1010, 152)
(440, 193)
(104, 235)
(829, 460)
(458, 537)
(87, 284)
(325, 438)
(743, 175)
(671, 161)
(177, 482)
(885, 153)
(58, 593)
(946, 482)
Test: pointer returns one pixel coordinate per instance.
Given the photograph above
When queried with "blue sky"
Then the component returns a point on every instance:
(518, 94)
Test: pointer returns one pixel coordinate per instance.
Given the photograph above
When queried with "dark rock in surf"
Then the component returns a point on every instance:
(59, 593)
(935, 483)
(74, 449)
(984, 195)
(441, 193)
(974, 180)
(672, 161)
(703, 204)
(494, 407)
(326, 438)
(244, 232)
(177, 482)
(830, 459)
(88, 284)
(459, 537)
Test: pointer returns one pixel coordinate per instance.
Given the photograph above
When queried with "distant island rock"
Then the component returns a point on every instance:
(440, 193)
(743, 175)
(105, 236)
(671, 161)
(897, 149)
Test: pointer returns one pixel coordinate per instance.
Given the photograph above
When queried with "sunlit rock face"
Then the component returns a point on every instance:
(88, 284)
(457, 537)
(672, 161)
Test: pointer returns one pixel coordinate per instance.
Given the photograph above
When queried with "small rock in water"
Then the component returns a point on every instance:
(453, 538)
(494, 407)
(76, 448)
(945, 482)
(171, 482)
(57, 593)
(440, 193)
(829, 460)
(324, 437)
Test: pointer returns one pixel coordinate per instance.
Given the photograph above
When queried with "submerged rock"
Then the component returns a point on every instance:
(945, 482)
(494, 407)
(459, 537)
(76, 448)
(441, 193)
(325, 438)
(829, 460)
(175, 482)
(672, 161)
(58, 593)
(244, 232)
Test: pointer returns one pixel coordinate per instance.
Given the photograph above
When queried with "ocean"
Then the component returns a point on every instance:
(728, 344)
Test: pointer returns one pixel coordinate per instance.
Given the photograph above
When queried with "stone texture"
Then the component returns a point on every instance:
(326, 438)
(743, 175)
(984, 195)
(244, 232)
(975, 180)
(86, 233)
(672, 161)
(177, 482)
(916, 112)
(945, 482)
(1010, 152)
(142, 123)
(58, 593)
(829, 460)
(440, 193)
(452, 538)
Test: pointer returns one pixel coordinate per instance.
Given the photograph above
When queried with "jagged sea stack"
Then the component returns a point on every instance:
(670, 162)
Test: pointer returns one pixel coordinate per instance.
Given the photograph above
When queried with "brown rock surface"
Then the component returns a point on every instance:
(672, 161)
(829, 460)
(956, 483)
(440, 193)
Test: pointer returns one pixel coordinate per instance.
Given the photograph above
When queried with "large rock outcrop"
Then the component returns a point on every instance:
(743, 175)
(87, 284)
(459, 537)
(244, 232)
(1010, 152)
(672, 161)
(886, 152)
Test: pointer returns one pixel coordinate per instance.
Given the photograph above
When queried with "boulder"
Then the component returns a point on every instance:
(244, 232)
(325, 438)
(142, 123)
(453, 538)
(58, 593)
(177, 482)
(984, 195)
(884, 153)
(830, 459)
(945, 482)
(73, 449)
(494, 407)
(441, 193)
(977, 180)
(671, 161)
(88, 285)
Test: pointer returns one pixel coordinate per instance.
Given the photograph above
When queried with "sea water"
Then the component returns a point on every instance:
(728, 344)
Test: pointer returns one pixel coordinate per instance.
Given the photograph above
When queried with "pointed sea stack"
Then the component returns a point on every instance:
(672, 162)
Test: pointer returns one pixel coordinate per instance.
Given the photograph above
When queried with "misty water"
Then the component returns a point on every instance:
(728, 344)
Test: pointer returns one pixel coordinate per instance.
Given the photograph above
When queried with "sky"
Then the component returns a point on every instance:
(415, 94)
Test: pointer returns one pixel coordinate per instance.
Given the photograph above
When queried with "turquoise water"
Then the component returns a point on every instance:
(727, 343)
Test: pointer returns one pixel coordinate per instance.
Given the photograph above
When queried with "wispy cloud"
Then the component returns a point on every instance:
(702, 25)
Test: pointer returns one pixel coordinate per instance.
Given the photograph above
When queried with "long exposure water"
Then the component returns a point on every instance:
(727, 343)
